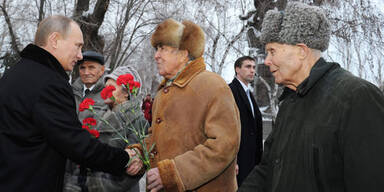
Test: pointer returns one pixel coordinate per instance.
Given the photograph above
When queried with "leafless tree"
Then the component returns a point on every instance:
(90, 23)
(14, 40)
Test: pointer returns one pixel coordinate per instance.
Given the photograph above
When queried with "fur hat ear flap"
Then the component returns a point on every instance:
(169, 32)
(184, 36)
(193, 39)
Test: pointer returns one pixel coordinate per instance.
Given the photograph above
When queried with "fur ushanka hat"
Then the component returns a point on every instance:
(184, 36)
(299, 23)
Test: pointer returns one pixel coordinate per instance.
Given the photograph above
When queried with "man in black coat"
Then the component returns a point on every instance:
(251, 146)
(39, 127)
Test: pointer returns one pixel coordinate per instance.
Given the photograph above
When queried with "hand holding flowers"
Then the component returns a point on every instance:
(137, 159)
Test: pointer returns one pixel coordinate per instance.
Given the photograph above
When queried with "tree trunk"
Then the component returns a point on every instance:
(90, 24)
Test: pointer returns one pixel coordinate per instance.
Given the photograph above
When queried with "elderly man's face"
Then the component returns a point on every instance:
(169, 60)
(69, 49)
(284, 63)
(90, 72)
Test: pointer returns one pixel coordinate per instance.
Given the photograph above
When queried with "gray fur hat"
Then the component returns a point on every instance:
(299, 23)
(121, 71)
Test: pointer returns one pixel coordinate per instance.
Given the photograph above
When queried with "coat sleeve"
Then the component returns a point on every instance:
(256, 179)
(55, 115)
(362, 140)
(209, 159)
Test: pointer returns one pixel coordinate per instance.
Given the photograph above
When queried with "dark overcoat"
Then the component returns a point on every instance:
(328, 137)
(39, 128)
(251, 144)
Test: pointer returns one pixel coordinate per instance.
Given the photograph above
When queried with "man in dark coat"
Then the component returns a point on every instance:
(251, 145)
(39, 127)
(329, 131)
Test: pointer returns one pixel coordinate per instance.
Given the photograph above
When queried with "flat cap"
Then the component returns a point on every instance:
(92, 56)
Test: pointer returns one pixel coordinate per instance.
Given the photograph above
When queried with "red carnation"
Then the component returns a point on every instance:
(86, 104)
(147, 108)
(124, 79)
(136, 84)
(85, 127)
(94, 132)
(89, 121)
(106, 93)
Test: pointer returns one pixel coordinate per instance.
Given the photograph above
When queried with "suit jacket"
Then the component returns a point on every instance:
(39, 128)
(251, 145)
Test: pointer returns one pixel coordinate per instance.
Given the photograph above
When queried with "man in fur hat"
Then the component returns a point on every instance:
(329, 129)
(196, 124)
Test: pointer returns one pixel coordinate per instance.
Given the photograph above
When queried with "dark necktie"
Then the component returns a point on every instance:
(87, 91)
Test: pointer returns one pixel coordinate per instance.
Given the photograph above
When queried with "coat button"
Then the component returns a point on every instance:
(165, 90)
(158, 120)
(277, 161)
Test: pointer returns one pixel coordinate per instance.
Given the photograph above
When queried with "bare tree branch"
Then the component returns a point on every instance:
(14, 41)
(41, 11)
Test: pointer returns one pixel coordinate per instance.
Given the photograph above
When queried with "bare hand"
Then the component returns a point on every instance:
(136, 164)
(237, 169)
(154, 182)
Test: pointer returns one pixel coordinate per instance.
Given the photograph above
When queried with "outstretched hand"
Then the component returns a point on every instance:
(154, 180)
(135, 164)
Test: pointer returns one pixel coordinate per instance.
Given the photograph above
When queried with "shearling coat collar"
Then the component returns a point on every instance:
(192, 69)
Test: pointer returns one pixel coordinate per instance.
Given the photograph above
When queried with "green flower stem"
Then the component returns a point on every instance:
(106, 122)
(145, 158)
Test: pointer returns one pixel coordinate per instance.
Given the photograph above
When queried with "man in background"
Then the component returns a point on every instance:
(251, 144)
(90, 83)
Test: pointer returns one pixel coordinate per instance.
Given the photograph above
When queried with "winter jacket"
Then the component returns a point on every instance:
(328, 137)
(196, 132)
(100, 107)
(119, 119)
(39, 128)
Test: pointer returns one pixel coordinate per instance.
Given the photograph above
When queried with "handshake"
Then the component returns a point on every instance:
(154, 182)
(135, 164)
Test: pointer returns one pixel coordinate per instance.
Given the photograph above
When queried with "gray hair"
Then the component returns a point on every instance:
(299, 23)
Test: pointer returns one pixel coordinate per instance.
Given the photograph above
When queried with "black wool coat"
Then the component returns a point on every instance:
(328, 137)
(251, 145)
(39, 128)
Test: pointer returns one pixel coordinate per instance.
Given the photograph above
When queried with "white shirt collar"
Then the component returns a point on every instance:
(245, 87)
(85, 88)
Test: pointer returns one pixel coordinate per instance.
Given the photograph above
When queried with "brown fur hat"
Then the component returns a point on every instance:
(184, 36)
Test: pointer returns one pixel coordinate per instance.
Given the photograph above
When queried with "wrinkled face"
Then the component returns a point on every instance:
(68, 50)
(169, 60)
(246, 72)
(90, 72)
(119, 94)
(284, 63)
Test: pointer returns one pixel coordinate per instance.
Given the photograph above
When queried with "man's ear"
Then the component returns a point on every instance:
(103, 69)
(53, 39)
(184, 54)
(304, 50)
(237, 69)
